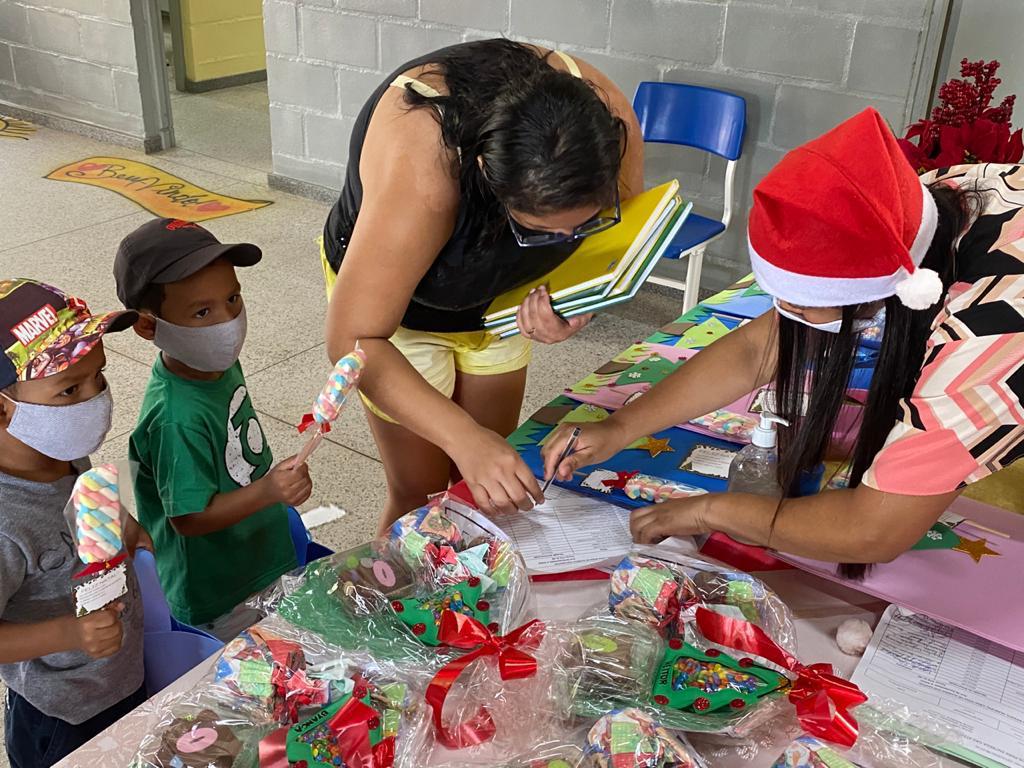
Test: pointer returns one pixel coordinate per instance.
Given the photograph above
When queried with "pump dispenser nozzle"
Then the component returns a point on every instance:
(765, 435)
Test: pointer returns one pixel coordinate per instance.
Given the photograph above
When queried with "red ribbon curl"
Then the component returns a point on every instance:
(822, 699)
(461, 631)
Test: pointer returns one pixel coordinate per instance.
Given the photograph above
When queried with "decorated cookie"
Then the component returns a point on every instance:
(611, 662)
(689, 679)
(201, 741)
(358, 729)
(373, 567)
(629, 738)
(423, 614)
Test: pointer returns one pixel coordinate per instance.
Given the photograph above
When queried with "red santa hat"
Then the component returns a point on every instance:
(844, 219)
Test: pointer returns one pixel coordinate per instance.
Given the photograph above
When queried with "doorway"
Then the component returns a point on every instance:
(215, 74)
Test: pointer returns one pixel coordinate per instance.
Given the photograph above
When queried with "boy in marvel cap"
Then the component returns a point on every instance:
(206, 489)
(68, 678)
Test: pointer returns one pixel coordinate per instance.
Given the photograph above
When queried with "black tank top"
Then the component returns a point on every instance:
(464, 278)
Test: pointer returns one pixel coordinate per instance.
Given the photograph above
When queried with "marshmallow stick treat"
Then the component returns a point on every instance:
(98, 524)
(344, 379)
(98, 528)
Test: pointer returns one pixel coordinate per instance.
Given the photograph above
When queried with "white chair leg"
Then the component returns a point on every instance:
(692, 292)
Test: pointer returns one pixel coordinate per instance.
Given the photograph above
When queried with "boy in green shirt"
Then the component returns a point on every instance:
(205, 488)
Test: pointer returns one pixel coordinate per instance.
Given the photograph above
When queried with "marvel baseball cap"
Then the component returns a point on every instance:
(43, 331)
(168, 250)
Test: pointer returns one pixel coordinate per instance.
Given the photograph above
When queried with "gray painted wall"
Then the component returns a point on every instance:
(802, 65)
(72, 63)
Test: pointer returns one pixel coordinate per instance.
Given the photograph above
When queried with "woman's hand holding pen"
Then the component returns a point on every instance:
(596, 442)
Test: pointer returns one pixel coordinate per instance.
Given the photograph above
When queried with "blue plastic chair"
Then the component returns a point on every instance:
(702, 118)
(156, 612)
(169, 655)
(306, 550)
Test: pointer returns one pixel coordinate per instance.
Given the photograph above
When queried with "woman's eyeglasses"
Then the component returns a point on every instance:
(529, 238)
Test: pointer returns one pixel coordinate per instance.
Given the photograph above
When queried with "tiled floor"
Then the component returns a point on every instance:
(67, 234)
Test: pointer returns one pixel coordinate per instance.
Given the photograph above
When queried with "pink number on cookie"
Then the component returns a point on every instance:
(384, 574)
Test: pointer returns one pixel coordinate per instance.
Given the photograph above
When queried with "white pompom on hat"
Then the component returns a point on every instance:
(843, 220)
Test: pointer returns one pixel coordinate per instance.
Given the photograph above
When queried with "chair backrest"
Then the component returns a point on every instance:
(156, 612)
(169, 655)
(693, 116)
(300, 536)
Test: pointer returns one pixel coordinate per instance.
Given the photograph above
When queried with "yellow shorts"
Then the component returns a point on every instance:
(439, 356)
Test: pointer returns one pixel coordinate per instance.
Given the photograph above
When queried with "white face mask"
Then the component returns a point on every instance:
(63, 432)
(213, 348)
(833, 326)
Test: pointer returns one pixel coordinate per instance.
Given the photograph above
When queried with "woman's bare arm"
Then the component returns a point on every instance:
(410, 202)
(728, 369)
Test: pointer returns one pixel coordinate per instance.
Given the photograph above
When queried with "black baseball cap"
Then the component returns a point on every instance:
(168, 250)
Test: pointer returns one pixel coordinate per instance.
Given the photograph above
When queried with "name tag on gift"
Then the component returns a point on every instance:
(95, 593)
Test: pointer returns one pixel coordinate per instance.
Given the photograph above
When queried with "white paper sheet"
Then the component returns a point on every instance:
(568, 532)
(972, 686)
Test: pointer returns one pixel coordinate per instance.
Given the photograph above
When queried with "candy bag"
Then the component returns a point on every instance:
(386, 597)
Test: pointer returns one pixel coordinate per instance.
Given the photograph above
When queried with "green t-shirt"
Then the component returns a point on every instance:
(196, 439)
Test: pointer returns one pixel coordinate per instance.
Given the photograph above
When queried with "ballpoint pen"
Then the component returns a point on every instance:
(566, 452)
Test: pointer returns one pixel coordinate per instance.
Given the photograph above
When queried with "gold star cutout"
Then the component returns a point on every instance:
(976, 548)
(654, 447)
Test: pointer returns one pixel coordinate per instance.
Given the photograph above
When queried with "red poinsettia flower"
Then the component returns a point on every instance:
(964, 127)
(917, 157)
(979, 142)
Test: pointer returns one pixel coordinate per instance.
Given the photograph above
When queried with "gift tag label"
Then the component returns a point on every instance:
(99, 592)
(709, 461)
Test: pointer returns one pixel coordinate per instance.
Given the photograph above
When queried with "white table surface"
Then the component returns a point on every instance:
(819, 606)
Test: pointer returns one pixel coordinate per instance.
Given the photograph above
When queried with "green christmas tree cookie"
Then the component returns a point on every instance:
(707, 681)
(423, 615)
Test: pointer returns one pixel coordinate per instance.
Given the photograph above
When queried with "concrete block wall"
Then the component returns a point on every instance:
(802, 66)
(72, 62)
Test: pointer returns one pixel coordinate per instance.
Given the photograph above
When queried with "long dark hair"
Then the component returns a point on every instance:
(815, 366)
(548, 141)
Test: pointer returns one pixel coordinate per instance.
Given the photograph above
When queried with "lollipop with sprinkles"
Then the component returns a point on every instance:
(97, 501)
(332, 399)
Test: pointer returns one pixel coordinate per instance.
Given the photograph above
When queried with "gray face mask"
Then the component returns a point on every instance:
(213, 348)
(63, 432)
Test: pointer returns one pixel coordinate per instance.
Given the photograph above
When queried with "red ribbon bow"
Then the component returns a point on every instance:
(822, 699)
(106, 565)
(308, 420)
(461, 631)
(350, 728)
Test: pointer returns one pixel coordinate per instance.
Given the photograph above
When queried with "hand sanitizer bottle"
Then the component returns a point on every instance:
(755, 468)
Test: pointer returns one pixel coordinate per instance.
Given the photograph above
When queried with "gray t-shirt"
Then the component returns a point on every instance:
(37, 561)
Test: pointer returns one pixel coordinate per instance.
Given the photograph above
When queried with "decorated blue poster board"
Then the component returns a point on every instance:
(660, 454)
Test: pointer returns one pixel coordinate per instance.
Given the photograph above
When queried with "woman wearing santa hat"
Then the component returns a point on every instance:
(841, 229)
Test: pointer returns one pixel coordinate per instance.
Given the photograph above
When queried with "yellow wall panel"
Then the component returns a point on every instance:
(221, 39)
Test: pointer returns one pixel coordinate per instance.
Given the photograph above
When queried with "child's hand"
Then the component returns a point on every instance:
(99, 634)
(289, 485)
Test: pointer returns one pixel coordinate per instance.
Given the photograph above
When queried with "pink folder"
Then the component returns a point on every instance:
(985, 598)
